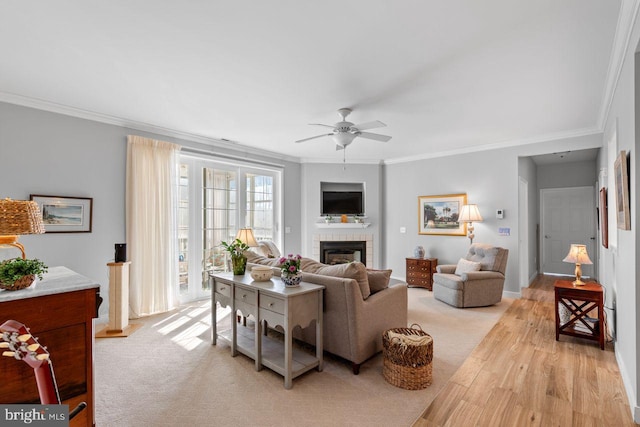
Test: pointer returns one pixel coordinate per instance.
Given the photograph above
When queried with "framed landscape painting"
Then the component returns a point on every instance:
(622, 191)
(438, 215)
(65, 214)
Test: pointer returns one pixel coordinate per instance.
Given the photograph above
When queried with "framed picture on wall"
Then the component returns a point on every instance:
(604, 218)
(65, 214)
(438, 215)
(622, 191)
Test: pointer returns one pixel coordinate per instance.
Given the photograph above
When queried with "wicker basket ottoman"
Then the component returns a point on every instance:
(405, 364)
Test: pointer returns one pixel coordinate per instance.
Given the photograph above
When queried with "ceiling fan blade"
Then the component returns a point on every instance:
(314, 137)
(370, 125)
(375, 136)
(320, 124)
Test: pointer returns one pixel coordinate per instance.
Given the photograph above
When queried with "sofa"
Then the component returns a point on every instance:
(477, 280)
(359, 305)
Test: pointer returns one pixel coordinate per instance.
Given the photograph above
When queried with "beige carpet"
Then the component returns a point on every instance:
(168, 374)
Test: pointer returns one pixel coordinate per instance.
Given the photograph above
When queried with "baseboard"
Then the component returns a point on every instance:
(509, 294)
(533, 277)
(631, 396)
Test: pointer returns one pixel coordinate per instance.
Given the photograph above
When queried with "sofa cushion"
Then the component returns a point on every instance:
(378, 279)
(466, 266)
(254, 258)
(352, 270)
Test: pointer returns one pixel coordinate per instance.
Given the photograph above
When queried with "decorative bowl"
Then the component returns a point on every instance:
(261, 274)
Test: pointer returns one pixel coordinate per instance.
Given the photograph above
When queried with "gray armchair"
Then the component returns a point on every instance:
(473, 288)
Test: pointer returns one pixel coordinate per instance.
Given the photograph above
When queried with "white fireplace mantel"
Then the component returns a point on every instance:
(342, 225)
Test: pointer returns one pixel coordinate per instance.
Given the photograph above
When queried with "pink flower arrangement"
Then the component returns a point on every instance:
(290, 264)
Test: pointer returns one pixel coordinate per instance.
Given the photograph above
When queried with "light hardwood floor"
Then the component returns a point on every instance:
(519, 375)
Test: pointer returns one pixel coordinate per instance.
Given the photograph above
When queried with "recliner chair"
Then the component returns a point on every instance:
(473, 288)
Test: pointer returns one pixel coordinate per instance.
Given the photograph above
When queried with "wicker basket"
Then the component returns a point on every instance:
(21, 283)
(408, 366)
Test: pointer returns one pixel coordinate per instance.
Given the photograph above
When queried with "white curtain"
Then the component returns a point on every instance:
(151, 206)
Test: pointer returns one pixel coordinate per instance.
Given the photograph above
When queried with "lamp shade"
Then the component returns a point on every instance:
(469, 213)
(578, 255)
(20, 217)
(246, 236)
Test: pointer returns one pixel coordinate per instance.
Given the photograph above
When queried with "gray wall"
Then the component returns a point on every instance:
(313, 174)
(490, 179)
(573, 174)
(53, 154)
(621, 266)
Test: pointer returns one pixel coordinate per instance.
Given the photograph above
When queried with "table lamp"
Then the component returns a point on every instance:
(245, 235)
(19, 217)
(578, 254)
(470, 214)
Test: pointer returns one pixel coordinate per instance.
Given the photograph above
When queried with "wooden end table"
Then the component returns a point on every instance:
(580, 301)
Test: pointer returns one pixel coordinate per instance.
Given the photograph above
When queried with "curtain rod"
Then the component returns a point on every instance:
(229, 157)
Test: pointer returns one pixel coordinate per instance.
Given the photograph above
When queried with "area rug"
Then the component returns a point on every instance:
(168, 374)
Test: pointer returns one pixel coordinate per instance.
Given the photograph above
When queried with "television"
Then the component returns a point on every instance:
(342, 202)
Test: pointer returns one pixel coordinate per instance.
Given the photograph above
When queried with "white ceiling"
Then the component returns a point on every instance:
(445, 76)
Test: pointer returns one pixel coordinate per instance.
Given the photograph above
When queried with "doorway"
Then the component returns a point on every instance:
(566, 217)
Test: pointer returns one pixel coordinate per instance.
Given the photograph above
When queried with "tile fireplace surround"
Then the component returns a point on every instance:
(368, 238)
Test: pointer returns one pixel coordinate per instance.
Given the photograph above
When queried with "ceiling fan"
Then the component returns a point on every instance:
(343, 133)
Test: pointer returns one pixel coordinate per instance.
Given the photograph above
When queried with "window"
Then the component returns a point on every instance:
(216, 199)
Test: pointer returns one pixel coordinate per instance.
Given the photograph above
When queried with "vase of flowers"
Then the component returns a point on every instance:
(238, 261)
(290, 266)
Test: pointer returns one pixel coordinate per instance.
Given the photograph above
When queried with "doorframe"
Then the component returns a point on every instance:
(523, 231)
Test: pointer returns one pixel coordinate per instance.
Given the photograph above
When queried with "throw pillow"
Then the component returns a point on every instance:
(352, 270)
(466, 266)
(254, 258)
(378, 279)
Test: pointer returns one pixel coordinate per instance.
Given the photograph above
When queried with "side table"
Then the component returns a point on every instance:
(580, 301)
(420, 272)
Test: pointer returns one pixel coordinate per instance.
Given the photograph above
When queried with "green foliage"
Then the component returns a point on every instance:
(13, 269)
(236, 247)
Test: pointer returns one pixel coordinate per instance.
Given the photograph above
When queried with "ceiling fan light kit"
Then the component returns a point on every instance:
(344, 132)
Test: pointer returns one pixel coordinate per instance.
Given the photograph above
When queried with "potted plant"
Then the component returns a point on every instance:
(18, 273)
(290, 266)
(328, 219)
(236, 249)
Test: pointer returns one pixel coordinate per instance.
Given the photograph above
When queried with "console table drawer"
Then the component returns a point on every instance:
(223, 289)
(246, 300)
(272, 304)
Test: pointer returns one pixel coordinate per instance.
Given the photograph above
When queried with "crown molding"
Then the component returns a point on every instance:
(498, 145)
(66, 110)
(624, 29)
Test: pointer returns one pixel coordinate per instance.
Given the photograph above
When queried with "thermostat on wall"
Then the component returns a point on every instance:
(500, 213)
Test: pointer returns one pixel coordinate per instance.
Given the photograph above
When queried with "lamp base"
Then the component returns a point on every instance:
(13, 241)
(578, 282)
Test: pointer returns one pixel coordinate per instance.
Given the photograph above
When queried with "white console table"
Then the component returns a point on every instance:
(275, 304)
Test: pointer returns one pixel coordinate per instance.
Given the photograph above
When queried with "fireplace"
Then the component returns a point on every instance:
(341, 252)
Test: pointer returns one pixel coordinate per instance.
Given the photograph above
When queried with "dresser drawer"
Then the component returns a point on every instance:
(272, 304)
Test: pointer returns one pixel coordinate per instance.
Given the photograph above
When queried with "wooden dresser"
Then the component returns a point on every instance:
(59, 310)
(420, 272)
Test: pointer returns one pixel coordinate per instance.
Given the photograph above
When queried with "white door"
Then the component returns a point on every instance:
(567, 217)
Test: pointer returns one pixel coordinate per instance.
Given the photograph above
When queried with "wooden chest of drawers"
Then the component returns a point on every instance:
(420, 272)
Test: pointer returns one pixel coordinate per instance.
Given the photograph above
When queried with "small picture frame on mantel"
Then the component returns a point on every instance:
(65, 214)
